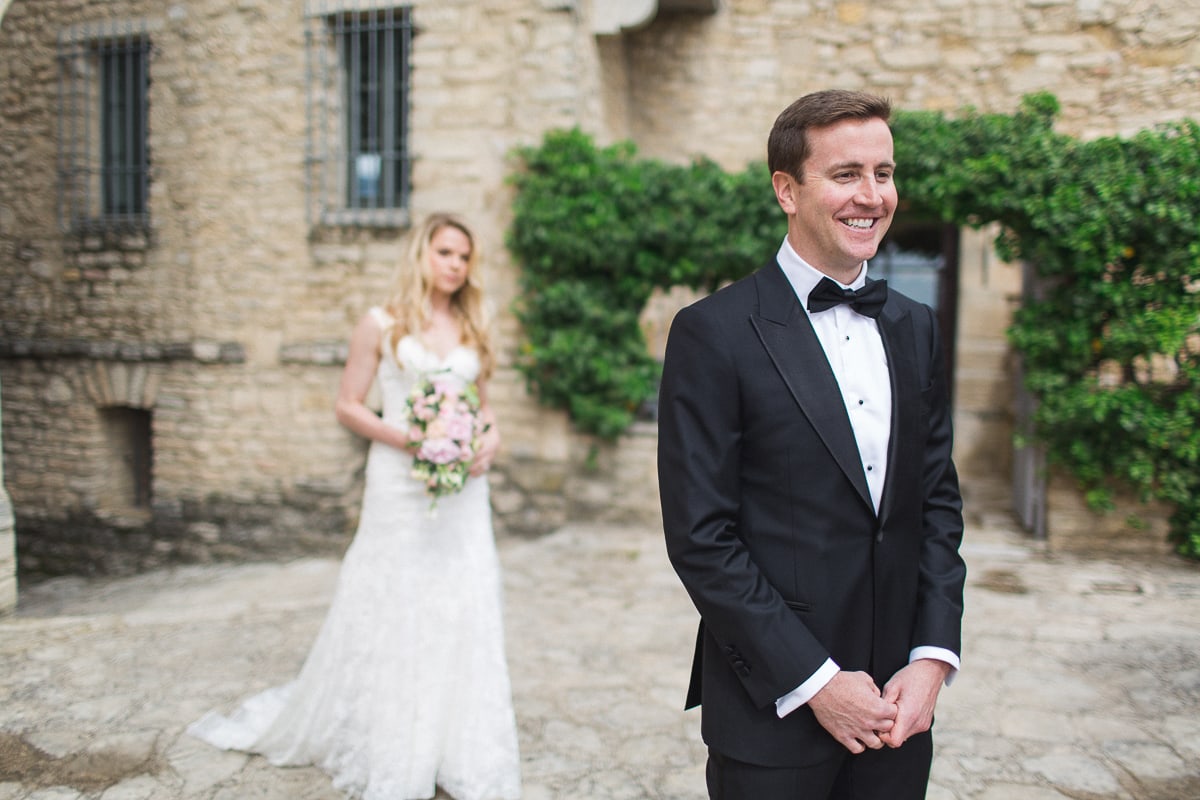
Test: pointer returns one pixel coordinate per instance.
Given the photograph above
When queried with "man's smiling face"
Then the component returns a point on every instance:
(840, 212)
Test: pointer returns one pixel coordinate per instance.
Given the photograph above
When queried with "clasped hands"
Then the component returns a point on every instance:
(860, 716)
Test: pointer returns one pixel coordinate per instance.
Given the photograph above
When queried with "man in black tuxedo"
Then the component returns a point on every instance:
(809, 499)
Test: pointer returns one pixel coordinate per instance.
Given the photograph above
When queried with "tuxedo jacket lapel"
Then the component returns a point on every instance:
(792, 345)
(895, 328)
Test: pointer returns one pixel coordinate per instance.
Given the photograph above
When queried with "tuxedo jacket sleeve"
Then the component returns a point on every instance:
(769, 522)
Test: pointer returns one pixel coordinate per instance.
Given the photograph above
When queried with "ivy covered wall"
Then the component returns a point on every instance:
(1110, 344)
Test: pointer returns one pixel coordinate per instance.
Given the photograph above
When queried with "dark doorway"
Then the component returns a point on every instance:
(130, 462)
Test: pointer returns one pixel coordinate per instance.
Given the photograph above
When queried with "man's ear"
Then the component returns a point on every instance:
(785, 191)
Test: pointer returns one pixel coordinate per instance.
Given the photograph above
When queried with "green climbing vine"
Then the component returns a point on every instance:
(1110, 343)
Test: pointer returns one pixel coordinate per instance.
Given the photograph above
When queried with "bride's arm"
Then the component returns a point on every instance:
(357, 376)
(489, 442)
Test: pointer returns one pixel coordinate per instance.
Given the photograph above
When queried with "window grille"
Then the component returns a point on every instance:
(104, 158)
(358, 81)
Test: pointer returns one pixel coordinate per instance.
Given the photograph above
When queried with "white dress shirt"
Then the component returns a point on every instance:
(854, 348)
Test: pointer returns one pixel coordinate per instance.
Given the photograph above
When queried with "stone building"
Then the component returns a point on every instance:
(200, 197)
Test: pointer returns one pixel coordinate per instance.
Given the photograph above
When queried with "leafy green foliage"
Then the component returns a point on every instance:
(1110, 340)
(596, 230)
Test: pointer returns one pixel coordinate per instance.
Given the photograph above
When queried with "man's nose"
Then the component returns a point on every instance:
(868, 192)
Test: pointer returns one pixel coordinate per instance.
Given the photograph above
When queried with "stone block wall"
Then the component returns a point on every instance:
(712, 85)
(1133, 528)
(224, 329)
(232, 314)
(989, 290)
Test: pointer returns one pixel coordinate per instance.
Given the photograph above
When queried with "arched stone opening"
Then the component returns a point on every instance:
(124, 395)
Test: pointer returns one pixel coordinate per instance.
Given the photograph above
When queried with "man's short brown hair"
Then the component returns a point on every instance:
(787, 146)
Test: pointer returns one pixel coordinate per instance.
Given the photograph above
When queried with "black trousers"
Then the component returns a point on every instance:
(885, 774)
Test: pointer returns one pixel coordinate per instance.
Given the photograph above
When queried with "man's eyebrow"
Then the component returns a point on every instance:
(889, 164)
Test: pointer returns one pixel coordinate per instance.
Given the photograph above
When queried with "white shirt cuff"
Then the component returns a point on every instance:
(937, 654)
(807, 690)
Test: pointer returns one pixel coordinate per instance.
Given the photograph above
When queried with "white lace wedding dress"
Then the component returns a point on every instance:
(406, 684)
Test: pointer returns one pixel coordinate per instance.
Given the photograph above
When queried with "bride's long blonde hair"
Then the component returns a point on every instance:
(412, 287)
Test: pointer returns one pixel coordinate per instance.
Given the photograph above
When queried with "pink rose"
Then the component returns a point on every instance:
(422, 409)
(436, 429)
(459, 428)
(440, 451)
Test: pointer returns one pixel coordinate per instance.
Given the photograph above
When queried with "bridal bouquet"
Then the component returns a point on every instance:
(445, 427)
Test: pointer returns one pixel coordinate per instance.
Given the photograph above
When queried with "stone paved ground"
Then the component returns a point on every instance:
(1081, 677)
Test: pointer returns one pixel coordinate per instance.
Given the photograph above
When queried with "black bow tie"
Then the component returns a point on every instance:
(867, 301)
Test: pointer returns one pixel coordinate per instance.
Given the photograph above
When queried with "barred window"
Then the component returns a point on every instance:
(358, 104)
(104, 162)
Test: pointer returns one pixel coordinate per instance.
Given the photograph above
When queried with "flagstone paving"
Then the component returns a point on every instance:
(1080, 679)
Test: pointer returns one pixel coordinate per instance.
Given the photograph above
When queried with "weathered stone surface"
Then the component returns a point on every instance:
(1133, 528)
(600, 635)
